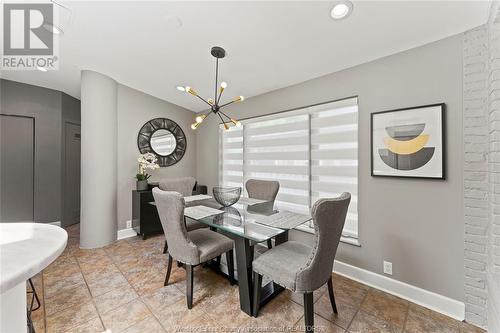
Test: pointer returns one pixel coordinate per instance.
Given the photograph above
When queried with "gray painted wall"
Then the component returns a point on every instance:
(45, 105)
(416, 224)
(134, 109)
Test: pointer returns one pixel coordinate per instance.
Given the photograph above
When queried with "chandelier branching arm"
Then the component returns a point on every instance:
(194, 93)
(207, 102)
(223, 122)
(237, 99)
(218, 53)
(223, 86)
(234, 121)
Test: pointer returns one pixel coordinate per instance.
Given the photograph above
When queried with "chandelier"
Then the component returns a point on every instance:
(214, 103)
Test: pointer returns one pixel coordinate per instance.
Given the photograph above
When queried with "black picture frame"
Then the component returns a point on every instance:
(148, 129)
(443, 141)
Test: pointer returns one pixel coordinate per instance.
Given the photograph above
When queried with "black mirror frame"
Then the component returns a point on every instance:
(147, 130)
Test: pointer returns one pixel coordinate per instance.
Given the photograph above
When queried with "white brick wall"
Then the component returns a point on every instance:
(482, 172)
(493, 266)
(476, 175)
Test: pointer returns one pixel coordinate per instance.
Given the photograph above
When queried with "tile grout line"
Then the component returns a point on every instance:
(147, 306)
(357, 310)
(155, 317)
(44, 312)
(90, 293)
(64, 290)
(49, 298)
(406, 317)
(204, 312)
(139, 296)
(157, 262)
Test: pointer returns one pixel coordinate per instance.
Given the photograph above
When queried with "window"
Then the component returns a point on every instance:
(312, 152)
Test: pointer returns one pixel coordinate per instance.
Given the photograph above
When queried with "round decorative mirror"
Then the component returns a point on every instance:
(163, 142)
(164, 138)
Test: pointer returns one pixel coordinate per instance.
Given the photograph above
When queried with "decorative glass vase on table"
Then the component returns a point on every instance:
(147, 161)
(227, 196)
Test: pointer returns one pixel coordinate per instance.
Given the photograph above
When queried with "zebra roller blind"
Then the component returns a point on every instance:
(312, 152)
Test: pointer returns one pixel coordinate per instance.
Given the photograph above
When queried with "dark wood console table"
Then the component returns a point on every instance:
(145, 219)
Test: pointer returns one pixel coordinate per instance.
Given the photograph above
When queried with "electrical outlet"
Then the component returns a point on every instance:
(387, 267)
(129, 224)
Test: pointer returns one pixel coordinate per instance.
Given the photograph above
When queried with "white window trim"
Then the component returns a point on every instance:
(344, 238)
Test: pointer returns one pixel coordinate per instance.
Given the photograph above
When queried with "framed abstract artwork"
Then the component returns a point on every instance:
(409, 142)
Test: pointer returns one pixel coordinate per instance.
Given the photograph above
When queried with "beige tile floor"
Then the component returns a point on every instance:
(119, 288)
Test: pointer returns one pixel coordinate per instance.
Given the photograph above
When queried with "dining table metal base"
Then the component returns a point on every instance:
(244, 278)
(244, 258)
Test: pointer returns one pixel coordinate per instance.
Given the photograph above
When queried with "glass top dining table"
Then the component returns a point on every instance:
(239, 222)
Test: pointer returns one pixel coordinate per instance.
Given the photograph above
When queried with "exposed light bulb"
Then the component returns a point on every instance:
(199, 119)
(187, 88)
(181, 88)
(238, 124)
(194, 126)
(223, 85)
(239, 99)
(191, 91)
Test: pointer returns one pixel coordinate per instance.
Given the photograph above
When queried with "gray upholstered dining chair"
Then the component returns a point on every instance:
(301, 268)
(184, 186)
(190, 248)
(263, 190)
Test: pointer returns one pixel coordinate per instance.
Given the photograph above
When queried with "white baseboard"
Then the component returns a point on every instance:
(58, 223)
(125, 233)
(428, 299)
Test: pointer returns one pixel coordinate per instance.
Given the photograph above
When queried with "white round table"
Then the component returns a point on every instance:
(25, 250)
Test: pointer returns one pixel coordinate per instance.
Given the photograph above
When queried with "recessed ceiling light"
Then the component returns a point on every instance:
(41, 69)
(181, 88)
(341, 9)
(173, 22)
(53, 29)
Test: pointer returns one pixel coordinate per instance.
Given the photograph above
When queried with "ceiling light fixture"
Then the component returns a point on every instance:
(213, 103)
(341, 9)
(173, 22)
(41, 69)
(181, 88)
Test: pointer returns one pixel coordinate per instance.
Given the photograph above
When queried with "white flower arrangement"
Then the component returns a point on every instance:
(147, 161)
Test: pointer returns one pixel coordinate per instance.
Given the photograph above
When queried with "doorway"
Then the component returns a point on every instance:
(71, 186)
(17, 149)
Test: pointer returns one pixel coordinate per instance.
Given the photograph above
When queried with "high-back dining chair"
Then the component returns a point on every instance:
(264, 190)
(190, 248)
(301, 268)
(184, 186)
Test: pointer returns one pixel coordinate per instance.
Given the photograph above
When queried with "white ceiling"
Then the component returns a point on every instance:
(269, 45)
